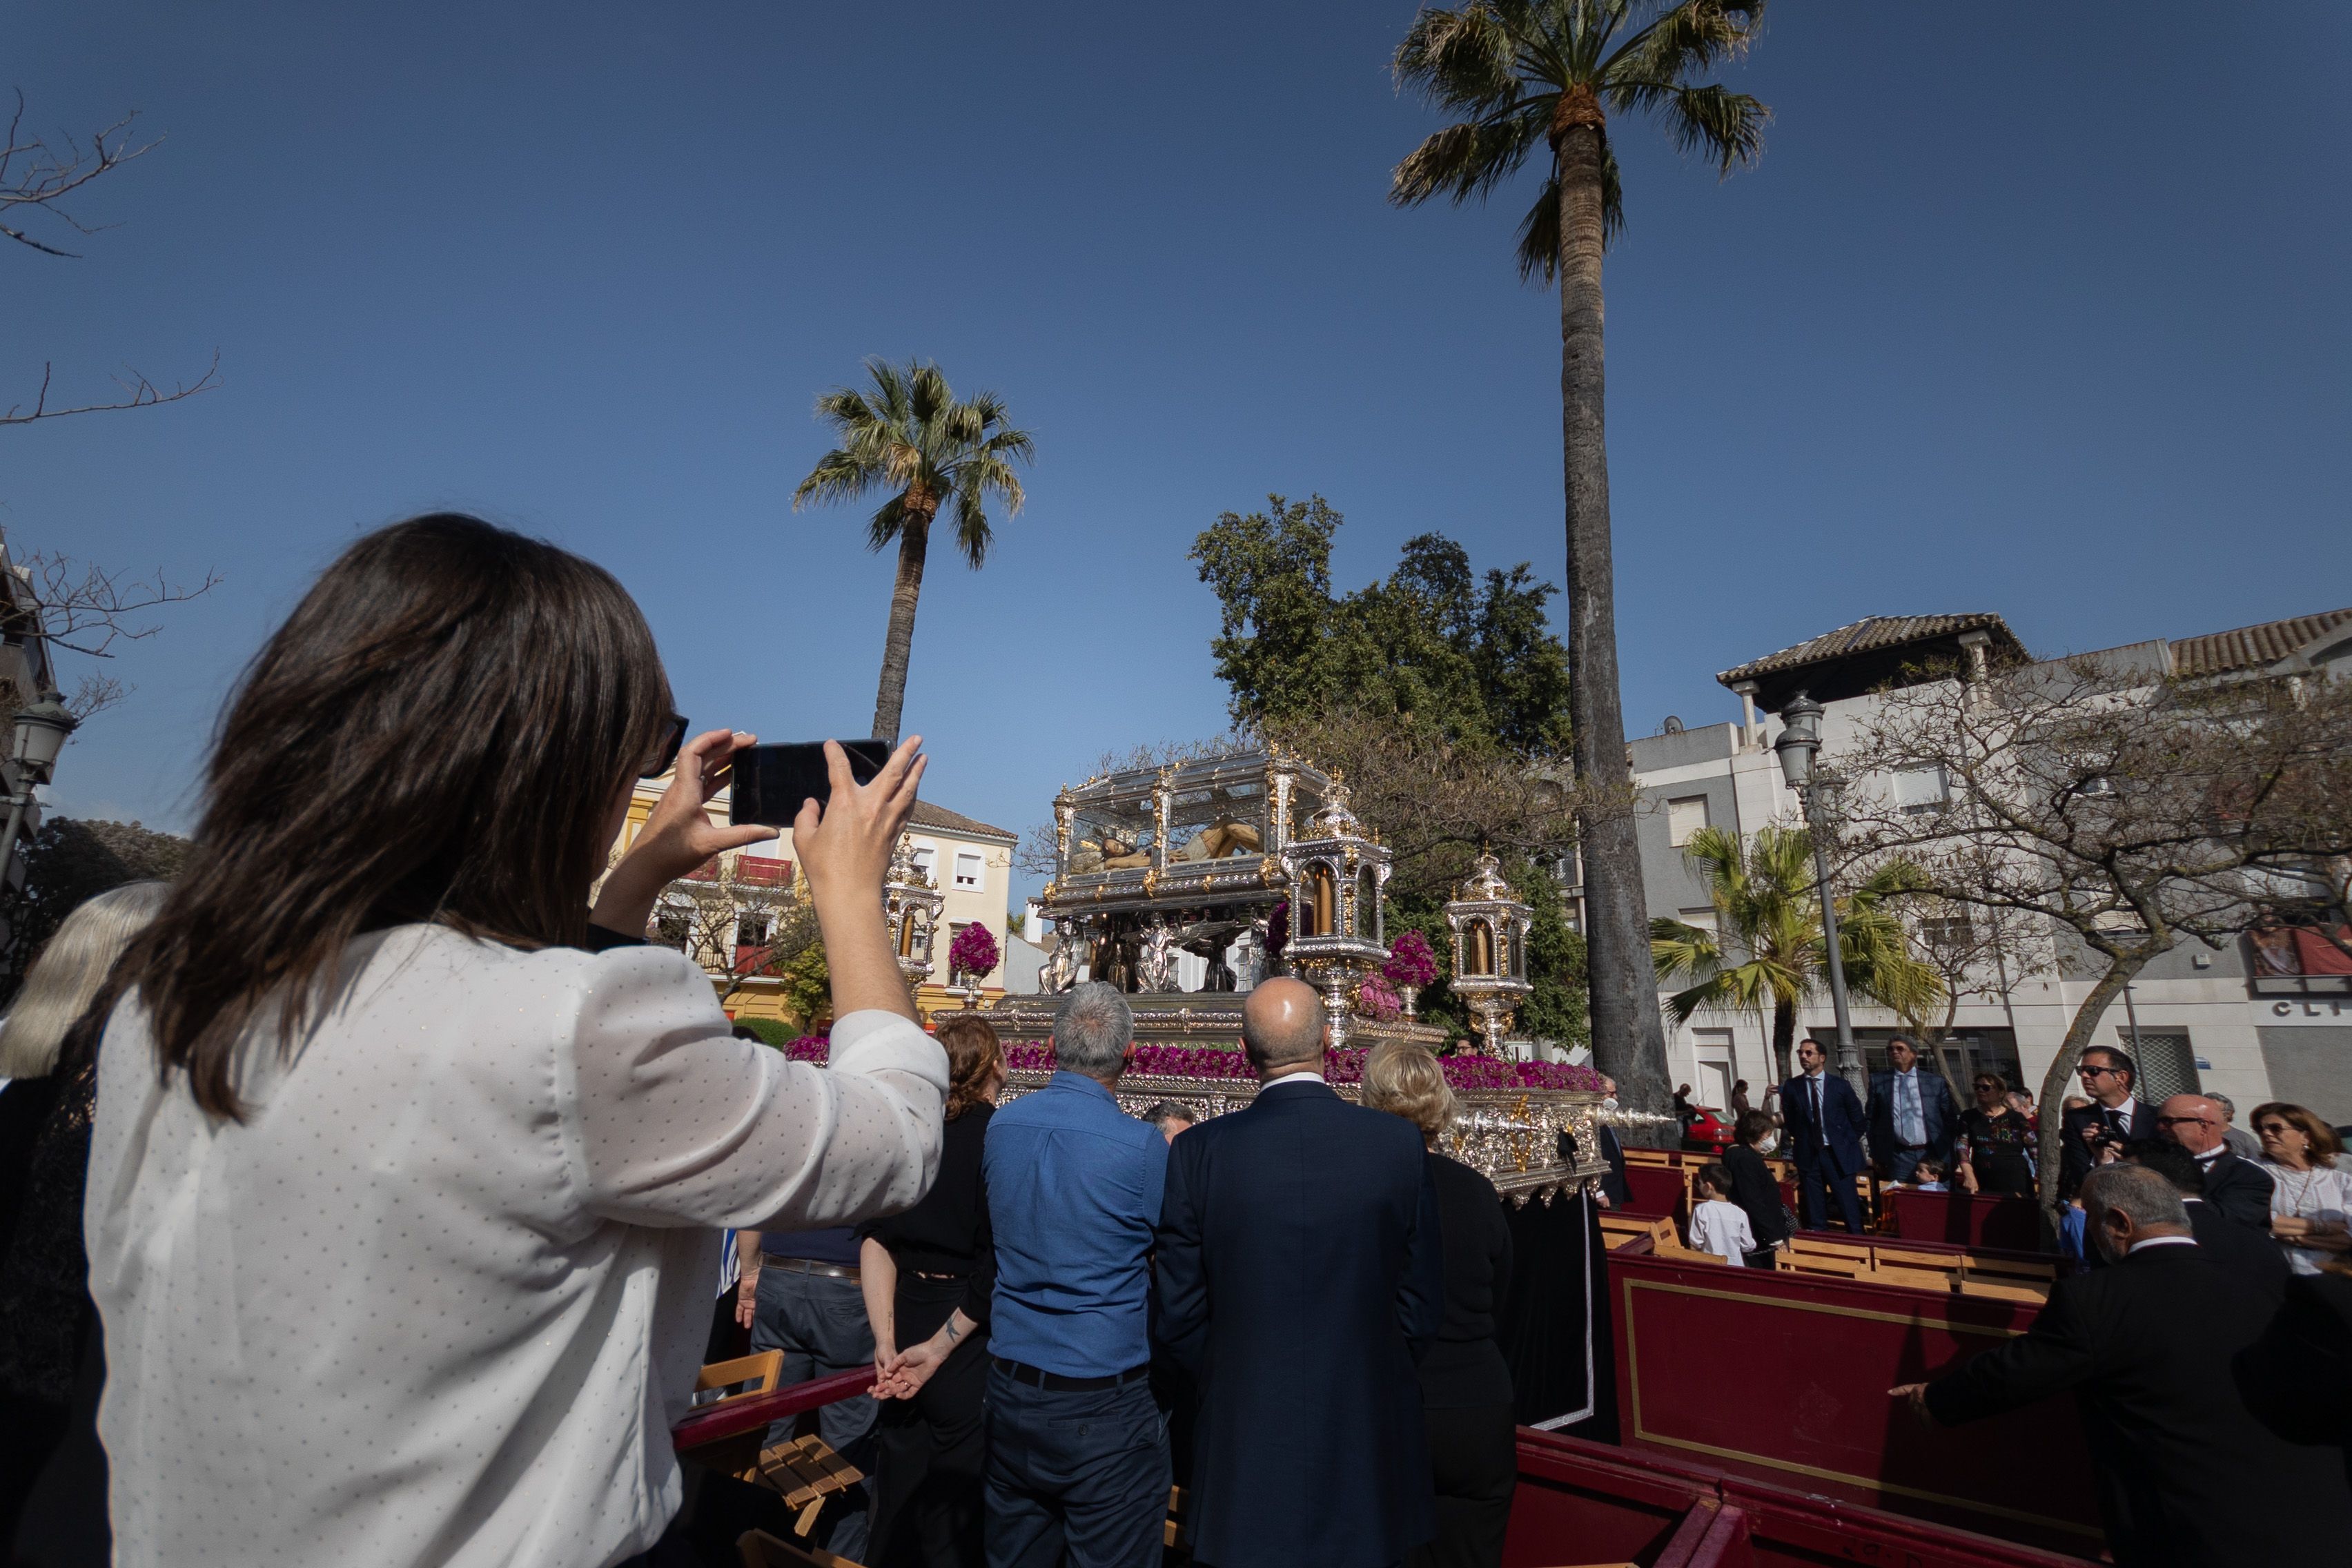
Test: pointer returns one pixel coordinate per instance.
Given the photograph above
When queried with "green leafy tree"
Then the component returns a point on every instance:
(1766, 954)
(1432, 647)
(1522, 78)
(906, 433)
(69, 862)
(808, 987)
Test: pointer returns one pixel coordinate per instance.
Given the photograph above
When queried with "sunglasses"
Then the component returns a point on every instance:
(2184, 1121)
(2276, 1130)
(2087, 1070)
(666, 753)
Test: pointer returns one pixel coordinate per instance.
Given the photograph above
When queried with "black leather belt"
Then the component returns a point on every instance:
(806, 1266)
(1054, 1382)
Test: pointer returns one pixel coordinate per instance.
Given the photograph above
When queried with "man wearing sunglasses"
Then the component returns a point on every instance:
(2113, 1119)
(2239, 1188)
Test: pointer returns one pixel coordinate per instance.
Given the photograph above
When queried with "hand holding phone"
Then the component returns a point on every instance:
(771, 783)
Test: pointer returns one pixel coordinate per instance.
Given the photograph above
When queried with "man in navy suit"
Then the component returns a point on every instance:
(1300, 1278)
(1913, 1115)
(1823, 1118)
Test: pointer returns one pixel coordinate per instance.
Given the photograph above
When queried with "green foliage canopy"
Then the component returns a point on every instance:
(1432, 645)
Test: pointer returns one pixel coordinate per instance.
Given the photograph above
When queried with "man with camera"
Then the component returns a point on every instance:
(2115, 1117)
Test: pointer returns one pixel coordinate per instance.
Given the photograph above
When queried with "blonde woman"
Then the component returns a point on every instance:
(1465, 1384)
(2310, 1198)
(45, 1117)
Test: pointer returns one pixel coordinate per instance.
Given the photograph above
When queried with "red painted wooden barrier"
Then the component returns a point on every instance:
(1580, 1502)
(1783, 1377)
(1656, 1190)
(1967, 1220)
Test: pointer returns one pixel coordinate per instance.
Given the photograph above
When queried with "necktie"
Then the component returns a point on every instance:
(1821, 1128)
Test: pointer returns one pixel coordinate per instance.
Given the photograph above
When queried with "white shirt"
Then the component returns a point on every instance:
(439, 1300)
(2148, 1241)
(2319, 1194)
(1722, 1228)
(1304, 1075)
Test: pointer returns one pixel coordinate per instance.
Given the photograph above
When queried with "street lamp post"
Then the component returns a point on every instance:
(41, 731)
(1801, 737)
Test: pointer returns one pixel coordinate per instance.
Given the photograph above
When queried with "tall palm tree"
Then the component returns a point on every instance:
(907, 434)
(1766, 954)
(1529, 74)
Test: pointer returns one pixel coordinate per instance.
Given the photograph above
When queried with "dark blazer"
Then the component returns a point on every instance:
(1301, 1277)
(1938, 1110)
(2297, 1378)
(2074, 1156)
(1756, 1194)
(2240, 1250)
(2187, 1477)
(1840, 1107)
(1464, 1368)
(2240, 1189)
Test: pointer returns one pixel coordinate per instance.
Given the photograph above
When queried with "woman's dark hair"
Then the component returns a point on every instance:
(1999, 1083)
(1753, 1126)
(438, 732)
(974, 1054)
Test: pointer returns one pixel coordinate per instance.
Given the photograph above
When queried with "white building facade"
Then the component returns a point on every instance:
(2233, 1022)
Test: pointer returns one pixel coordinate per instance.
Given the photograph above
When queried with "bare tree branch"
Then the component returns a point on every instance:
(84, 608)
(36, 177)
(138, 392)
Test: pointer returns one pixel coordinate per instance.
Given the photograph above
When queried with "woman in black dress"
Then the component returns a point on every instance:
(1465, 1384)
(1753, 1188)
(1998, 1140)
(928, 1276)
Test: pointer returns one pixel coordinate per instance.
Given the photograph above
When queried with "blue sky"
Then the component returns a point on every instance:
(2008, 318)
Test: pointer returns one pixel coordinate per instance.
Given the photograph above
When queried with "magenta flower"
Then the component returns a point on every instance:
(1411, 961)
(1379, 999)
(972, 952)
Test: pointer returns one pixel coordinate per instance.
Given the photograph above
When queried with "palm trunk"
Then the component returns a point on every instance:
(1784, 1039)
(898, 642)
(1628, 1039)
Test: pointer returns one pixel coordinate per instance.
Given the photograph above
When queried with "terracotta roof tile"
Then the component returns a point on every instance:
(1867, 635)
(2249, 647)
(926, 814)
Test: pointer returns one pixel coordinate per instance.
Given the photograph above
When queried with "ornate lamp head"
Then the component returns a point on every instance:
(1337, 924)
(911, 905)
(1490, 923)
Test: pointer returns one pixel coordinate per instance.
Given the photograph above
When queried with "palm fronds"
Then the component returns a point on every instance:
(1503, 67)
(906, 433)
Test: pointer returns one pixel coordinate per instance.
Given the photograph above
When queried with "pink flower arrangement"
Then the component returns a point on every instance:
(1411, 961)
(1215, 1064)
(972, 952)
(1378, 998)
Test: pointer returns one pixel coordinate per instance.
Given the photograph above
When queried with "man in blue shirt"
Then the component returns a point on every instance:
(1078, 1455)
(1912, 1114)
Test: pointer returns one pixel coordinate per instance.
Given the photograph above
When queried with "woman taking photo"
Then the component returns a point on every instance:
(2309, 1196)
(2000, 1141)
(1465, 1384)
(928, 1275)
(405, 1205)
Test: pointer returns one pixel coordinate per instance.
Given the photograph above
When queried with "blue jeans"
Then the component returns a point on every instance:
(820, 1325)
(1081, 1473)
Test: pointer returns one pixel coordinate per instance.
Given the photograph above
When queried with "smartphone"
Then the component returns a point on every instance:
(771, 782)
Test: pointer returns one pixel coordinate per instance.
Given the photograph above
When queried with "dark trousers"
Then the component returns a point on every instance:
(928, 1450)
(1812, 1203)
(1904, 1162)
(1474, 1463)
(819, 1322)
(1084, 1474)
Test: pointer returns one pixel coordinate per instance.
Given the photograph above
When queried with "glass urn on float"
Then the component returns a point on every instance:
(1337, 928)
(911, 905)
(1490, 923)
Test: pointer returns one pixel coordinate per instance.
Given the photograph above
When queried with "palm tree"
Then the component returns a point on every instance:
(907, 434)
(1525, 74)
(1766, 954)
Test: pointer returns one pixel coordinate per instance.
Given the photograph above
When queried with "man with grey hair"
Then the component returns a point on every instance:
(2185, 1474)
(2242, 1143)
(1171, 1117)
(1301, 1277)
(1077, 1456)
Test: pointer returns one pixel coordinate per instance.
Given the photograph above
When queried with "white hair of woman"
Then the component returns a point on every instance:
(65, 979)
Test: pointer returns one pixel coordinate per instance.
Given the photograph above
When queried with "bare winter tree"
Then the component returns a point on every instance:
(737, 928)
(2120, 812)
(38, 178)
(76, 607)
(1976, 953)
